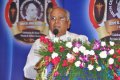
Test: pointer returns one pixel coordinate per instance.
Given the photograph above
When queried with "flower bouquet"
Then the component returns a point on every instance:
(99, 60)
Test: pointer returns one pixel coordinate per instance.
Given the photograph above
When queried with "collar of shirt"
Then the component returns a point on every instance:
(63, 37)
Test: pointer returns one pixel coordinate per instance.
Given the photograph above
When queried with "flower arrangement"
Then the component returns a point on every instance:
(74, 59)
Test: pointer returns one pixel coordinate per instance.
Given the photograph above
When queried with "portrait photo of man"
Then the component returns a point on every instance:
(13, 12)
(31, 12)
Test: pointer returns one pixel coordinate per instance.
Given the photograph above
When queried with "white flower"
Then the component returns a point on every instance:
(69, 55)
(92, 52)
(111, 51)
(98, 68)
(77, 63)
(54, 55)
(75, 49)
(86, 52)
(111, 43)
(110, 61)
(103, 43)
(55, 39)
(69, 44)
(83, 39)
(82, 49)
(103, 54)
(90, 67)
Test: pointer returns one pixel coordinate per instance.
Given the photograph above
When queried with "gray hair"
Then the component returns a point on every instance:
(68, 14)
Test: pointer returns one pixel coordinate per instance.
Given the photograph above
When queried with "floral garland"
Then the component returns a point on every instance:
(74, 58)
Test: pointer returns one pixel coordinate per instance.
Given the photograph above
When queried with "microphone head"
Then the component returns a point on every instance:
(55, 31)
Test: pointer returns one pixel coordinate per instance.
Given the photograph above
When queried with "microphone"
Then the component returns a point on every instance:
(55, 32)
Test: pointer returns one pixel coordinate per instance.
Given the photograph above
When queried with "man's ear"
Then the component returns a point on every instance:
(69, 22)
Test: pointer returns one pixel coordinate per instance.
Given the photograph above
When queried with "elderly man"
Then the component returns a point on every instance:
(59, 23)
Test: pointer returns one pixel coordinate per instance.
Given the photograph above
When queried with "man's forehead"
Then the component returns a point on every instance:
(58, 12)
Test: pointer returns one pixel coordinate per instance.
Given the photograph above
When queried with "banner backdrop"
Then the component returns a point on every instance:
(104, 15)
(19, 28)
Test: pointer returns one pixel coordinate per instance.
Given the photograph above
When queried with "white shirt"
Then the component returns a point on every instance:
(33, 57)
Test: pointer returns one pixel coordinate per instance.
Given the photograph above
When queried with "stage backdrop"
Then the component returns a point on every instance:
(19, 28)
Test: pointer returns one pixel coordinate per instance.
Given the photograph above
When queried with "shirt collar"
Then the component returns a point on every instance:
(52, 36)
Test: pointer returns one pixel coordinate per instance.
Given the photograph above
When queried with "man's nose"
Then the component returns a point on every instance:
(57, 21)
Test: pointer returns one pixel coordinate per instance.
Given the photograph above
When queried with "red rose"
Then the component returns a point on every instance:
(46, 58)
(116, 77)
(56, 60)
(65, 63)
(50, 49)
(56, 73)
(118, 51)
(50, 44)
(42, 38)
(118, 59)
(46, 41)
(114, 56)
(62, 48)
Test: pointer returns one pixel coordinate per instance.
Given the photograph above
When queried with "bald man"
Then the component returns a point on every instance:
(59, 19)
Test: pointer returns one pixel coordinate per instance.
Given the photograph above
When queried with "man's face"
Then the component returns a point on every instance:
(58, 20)
(13, 11)
(32, 11)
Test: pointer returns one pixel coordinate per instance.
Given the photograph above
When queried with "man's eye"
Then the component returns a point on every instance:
(52, 18)
(62, 18)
